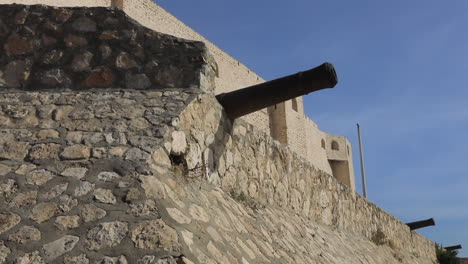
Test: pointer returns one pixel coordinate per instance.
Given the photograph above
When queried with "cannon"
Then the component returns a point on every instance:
(451, 248)
(253, 98)
(421, 224)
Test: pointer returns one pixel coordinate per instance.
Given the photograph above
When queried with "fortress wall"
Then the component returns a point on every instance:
(241, 159)
(232, 74)
(316, 154)
(295, 126)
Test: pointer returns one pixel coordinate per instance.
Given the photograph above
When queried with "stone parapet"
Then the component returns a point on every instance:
(83, 48)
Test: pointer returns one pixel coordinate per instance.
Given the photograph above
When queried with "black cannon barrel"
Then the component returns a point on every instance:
(453, 247)
(421, 224)
(250, 99)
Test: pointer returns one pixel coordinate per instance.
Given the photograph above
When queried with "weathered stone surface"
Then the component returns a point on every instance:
(59, 247)
(109, 35)
(30, 258)
(47, 134)
(178, 216)
(8, 220)
(67, 222)
(137, 81)
(25, 168)
(99, 78)
(48, 40)
(55, 78)
(82, 61)
(84, 188)
(10, 149)
(23, 200)
(55, 191)
(67, 203)
(146, 208)
(84, 24)
(74, 41)
(25, 234)
(124, 61)
(80, 259)
(21, 17)
(104, 196)
(198, 213)
(52, 57)
(155, 234)
(61, 15)
(4, 252)
(75, 152)
(17, 45)
(8, 187)
(152, 186)
(43, 212)
(114, 260)
(161, 158)
(108, 176)
(17, 73)
(136, 154)
(179, 143)
(4, 169)
(90, 212)
(39, 177)
(76, 172)
(106, 235)
(44, 151)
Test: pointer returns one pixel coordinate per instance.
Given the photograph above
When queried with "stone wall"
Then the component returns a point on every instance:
(74, 167)
(129, 176)
(82, 48)
(135, 175)
(287, 126)
(232, 74)
(242, 159)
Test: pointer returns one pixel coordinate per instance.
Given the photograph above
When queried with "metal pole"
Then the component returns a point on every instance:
(363, 173)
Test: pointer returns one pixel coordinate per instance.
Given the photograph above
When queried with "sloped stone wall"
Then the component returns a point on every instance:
(82, 48)
(241, 159)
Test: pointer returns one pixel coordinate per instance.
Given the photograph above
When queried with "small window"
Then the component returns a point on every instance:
(348, 149)
(323, 143)
(294, 104)
(334, 145)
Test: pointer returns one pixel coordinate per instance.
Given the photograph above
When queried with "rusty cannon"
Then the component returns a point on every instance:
(451, 248)
(421, 224)
(253, 98)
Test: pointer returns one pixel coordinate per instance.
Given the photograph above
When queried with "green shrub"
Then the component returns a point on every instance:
(446, 256)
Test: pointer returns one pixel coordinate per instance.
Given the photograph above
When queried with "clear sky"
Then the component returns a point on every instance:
(403, 74)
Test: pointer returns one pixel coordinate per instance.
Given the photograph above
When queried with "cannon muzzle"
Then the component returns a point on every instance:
(453, 248)
(250, 99)
(421, 224)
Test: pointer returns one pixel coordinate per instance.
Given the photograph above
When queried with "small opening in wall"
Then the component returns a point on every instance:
(179, 163)
(347, 147)
(275, 107)
(334, 145)
(323, 143)
(294, 104)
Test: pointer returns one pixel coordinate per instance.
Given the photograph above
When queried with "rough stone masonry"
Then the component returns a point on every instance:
(113, 149)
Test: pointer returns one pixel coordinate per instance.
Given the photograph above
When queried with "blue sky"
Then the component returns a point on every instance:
(403, 70)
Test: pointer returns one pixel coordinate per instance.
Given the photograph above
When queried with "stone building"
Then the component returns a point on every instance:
(114, 149)
(285, 122)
